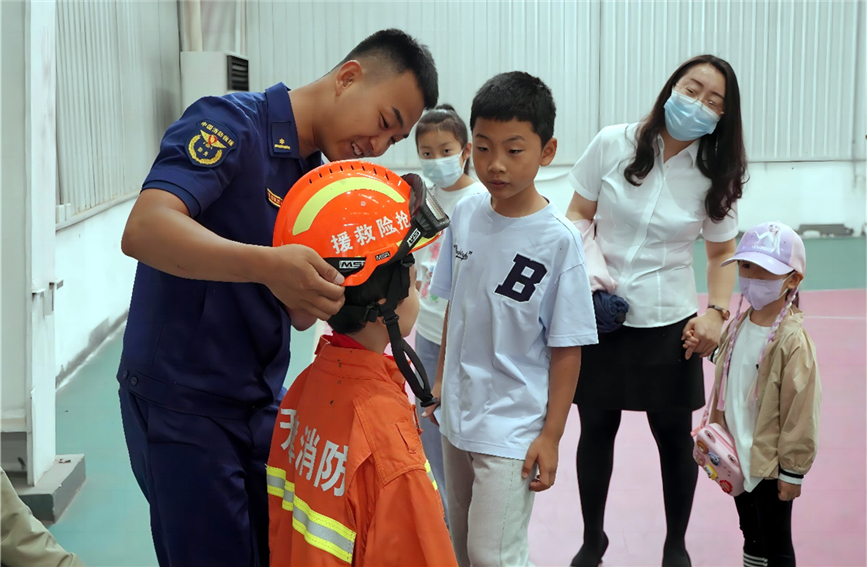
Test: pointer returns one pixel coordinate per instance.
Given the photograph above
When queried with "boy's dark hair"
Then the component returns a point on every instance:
(445, 118)
(371, 291)
(516, 95)
(402, 53)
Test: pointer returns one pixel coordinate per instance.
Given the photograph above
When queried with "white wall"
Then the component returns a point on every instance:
(97, 285)
(118, 84)
(796, 193)
(800, 66)
(557, 40)
(802, 83)
(796, 64)
(110, 124)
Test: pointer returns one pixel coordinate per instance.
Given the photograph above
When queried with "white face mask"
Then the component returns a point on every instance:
(443, 172)
(761, 293)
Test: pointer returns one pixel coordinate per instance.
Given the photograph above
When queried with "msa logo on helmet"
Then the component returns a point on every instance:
(350, 264)
(382, 256)
(413, 237)
(346, 266)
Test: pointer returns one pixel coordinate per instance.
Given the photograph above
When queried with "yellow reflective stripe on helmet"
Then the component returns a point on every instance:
(323, 532)
(430, 475)
(312, 207)
(276, 479)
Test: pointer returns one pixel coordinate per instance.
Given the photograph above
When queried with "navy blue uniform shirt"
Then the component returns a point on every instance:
(214, 348)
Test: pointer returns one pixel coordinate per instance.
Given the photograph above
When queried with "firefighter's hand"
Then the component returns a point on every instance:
(300, 279)
(544, 453)
(437, 391)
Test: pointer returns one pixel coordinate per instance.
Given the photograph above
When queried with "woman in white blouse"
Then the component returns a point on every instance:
(654, 187)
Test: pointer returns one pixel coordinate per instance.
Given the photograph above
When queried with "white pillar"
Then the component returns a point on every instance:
(28, 176)
(42, 188)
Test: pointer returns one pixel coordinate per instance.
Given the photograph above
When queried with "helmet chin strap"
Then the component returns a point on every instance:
(418, 383)
(398, 289)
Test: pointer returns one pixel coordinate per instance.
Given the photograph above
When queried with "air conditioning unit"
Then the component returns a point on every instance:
(212, 73)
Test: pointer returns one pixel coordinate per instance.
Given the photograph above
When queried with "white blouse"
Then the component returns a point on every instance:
(647, 232)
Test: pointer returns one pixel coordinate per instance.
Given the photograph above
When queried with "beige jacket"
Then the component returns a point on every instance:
(787, 428)
(24, 541)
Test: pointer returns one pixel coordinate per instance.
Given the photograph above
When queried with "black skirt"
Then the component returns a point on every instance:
(642, 370)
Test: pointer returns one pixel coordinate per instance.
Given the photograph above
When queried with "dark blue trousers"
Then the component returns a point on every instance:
(204, 478)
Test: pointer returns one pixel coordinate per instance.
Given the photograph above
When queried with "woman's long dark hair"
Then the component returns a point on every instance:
(721, 155)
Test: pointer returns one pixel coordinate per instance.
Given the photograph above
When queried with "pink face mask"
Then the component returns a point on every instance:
(761, 293)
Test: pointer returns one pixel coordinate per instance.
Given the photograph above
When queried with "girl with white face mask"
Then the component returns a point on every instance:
(767, 391)
(442, 141)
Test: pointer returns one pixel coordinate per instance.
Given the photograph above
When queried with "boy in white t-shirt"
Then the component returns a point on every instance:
(519, 310)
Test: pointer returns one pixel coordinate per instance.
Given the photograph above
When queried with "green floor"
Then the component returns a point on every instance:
(107, 523)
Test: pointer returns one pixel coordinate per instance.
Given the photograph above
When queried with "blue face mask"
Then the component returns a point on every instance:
(688, 119)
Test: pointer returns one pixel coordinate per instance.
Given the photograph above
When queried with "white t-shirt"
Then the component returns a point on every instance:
(432, 308)
(516, 287)
(741, 409)
(646, 233)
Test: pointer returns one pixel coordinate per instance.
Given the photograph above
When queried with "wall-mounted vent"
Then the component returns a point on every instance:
(237, 73)
(212, 73)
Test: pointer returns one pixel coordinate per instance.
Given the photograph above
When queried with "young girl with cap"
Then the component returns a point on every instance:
(767, 391)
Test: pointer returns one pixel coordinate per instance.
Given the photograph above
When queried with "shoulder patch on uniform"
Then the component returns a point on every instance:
(209, 143)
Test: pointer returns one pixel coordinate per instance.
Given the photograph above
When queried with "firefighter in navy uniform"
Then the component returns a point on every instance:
(206, 347)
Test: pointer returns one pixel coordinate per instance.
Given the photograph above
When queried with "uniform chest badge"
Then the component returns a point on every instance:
(274, 199)
(210, 144)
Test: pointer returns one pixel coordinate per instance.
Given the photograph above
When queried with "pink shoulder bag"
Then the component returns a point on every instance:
(714, 448)
(714, 451)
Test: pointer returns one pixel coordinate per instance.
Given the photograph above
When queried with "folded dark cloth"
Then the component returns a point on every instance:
(610, 311)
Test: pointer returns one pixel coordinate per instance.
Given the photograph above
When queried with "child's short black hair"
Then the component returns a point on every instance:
(371, 291)
(516, 95)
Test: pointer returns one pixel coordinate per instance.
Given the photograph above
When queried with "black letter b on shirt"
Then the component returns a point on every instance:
(517, 276)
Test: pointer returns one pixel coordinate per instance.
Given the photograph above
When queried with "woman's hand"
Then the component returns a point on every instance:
(701, 334)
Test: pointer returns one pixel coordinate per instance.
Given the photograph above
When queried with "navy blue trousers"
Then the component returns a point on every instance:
(204, 479)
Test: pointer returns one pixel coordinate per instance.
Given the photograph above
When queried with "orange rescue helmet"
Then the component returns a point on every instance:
(358, 216)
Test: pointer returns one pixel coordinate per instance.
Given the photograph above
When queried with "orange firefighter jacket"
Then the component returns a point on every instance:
(348, 481)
